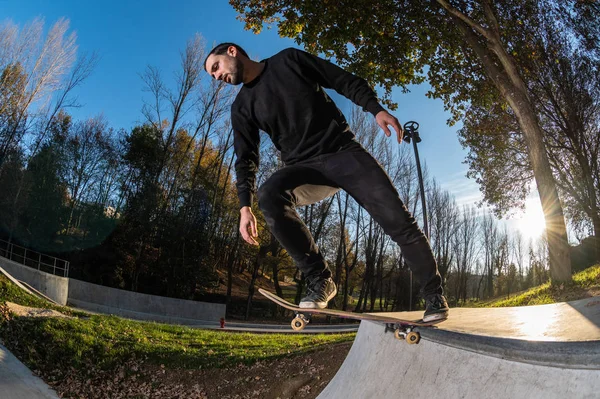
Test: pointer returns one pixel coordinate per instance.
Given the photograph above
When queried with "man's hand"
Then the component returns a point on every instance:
(384, 119)
(248, 225)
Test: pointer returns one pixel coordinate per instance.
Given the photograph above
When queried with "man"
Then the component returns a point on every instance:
(283, 95)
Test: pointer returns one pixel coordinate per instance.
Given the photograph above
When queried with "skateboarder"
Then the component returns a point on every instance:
(283, 95)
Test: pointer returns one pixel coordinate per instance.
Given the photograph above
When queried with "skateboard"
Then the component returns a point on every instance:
(403, 329)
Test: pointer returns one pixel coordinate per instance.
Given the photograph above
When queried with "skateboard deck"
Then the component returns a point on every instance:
(403, 329)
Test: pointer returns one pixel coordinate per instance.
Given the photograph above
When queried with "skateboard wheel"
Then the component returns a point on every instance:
(413, 337)
(298, 324)
(399, 335)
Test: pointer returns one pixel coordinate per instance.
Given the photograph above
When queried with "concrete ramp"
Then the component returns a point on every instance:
(458, 364)
(18, 382)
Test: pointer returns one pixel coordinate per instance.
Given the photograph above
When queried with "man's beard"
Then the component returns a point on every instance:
(236, 75)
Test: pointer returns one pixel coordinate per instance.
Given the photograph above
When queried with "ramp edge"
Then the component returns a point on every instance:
(561, 354)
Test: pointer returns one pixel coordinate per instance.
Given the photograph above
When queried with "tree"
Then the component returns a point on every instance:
(85, 153)
(10, 176)
(468, 47)
(12, 124)
(564, 87)
(465, 249)
(45, 198)
(443, 219)
(43, 62)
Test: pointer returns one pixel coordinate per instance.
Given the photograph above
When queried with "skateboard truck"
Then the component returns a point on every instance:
(404, 333)
(300, 321)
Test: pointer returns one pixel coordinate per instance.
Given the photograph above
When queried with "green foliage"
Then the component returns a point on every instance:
(497, 156)
(103, 341)
(106, 341)
(395, 43)
(11, 173)
(44, 213)
(552, 293)
(381, 41)
(143, 151)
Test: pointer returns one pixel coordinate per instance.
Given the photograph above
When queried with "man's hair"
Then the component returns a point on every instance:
(222, 49)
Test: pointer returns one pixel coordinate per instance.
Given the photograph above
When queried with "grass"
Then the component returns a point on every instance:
(583, 282)
(102, 341)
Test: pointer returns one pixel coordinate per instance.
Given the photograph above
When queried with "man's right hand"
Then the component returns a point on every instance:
(248, 225)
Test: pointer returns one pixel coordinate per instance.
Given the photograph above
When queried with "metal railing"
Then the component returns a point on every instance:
(36, 260)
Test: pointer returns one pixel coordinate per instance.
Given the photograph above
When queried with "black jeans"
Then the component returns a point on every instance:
(354, 170)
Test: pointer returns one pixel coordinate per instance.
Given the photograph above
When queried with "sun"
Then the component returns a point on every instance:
(532, 223)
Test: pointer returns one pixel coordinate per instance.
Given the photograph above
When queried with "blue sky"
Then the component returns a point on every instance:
(128, 35)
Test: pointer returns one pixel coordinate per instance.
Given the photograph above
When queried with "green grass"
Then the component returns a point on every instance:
(552, 293)
(92, 341)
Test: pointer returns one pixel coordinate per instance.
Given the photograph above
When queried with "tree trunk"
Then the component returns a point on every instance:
(230, 262)
(596, 222)
(262, 252)
(558, 246)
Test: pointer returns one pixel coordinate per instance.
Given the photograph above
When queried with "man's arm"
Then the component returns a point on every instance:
(332, 76)
(352, 87)
(246, 141)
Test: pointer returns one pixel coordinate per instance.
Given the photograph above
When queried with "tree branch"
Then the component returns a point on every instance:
(491, 17)
(468, 21)
(498, 76)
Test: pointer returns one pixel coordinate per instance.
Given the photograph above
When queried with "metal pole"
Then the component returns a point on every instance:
(410, 293)
(411, 132)
(422, 187)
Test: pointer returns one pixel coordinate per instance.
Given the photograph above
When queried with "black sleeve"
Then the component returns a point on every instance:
(246, 141)
(331, 76)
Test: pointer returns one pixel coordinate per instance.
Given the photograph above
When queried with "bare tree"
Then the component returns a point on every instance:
(465, 252)
(43, 63)
(443, 218)
(519, 256)
(490, 244)
(86, 151)
(179, 101)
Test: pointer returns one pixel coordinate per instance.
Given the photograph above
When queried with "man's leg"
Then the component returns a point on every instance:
(278, 197)
(359, 174)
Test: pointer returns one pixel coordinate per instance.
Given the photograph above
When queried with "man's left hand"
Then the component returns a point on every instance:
(385, 119)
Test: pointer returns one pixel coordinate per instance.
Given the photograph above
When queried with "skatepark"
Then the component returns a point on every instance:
(418, 182)
(544, 351)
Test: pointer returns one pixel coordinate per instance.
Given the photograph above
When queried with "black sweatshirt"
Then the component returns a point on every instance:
(288, 102)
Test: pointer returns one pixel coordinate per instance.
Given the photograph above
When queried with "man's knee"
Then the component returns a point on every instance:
(404, 232)
(272, 197)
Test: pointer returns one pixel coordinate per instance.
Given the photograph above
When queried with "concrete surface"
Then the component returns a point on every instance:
(141, 306)
(286, 329)
(264, 327)
(379, 366)
(17, 381)
(55, 287)
(93, 297)
(547, 351)
(566, 321)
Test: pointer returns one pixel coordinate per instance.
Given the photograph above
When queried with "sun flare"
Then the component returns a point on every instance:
(532, 222)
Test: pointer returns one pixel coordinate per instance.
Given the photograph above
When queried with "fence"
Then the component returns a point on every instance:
(36, 260)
